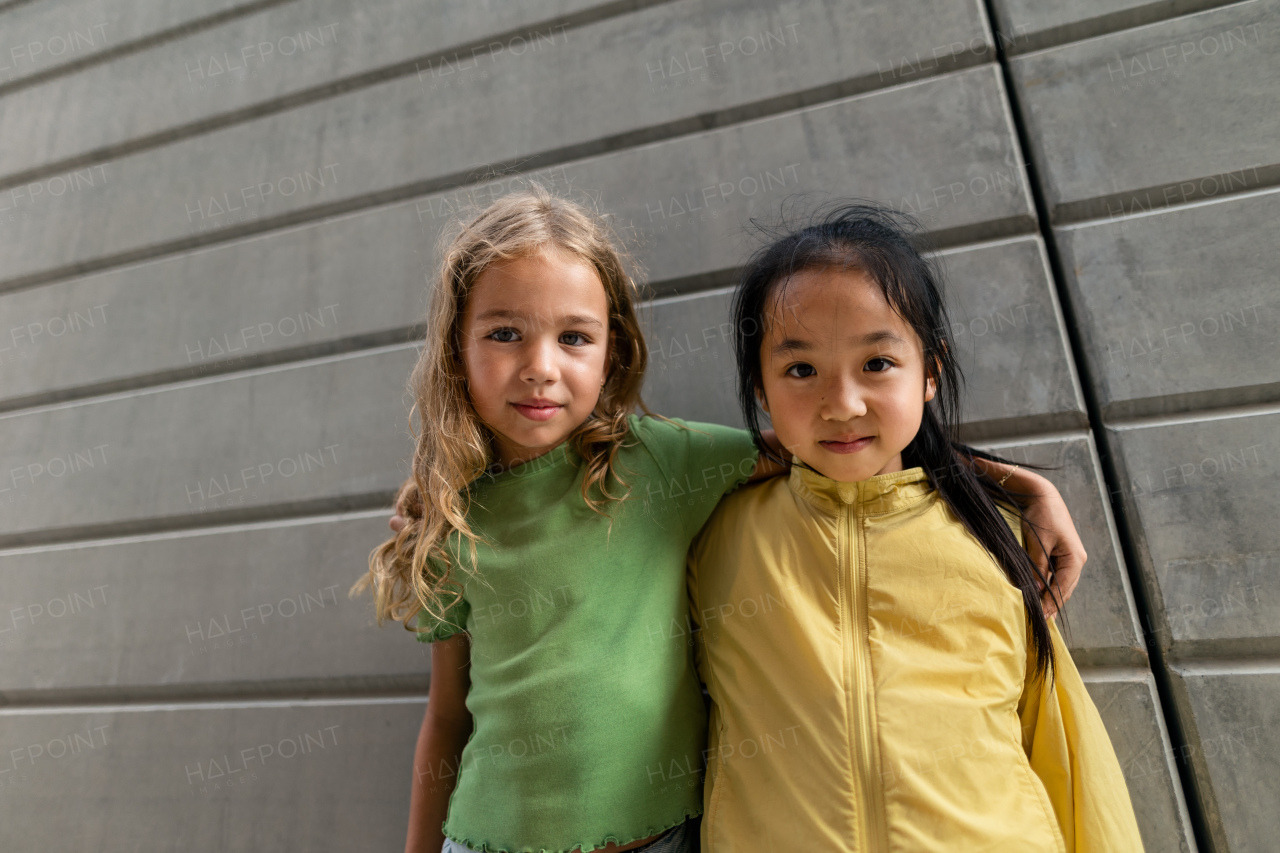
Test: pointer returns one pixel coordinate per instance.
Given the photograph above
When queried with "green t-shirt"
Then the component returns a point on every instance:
(589, 721)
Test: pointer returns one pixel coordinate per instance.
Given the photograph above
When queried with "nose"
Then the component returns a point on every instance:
(540, 364)
(843, 400)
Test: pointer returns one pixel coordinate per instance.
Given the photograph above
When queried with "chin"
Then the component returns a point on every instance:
(837, 467)
(850, 475)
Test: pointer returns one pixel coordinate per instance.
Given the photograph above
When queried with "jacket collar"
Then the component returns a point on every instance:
(873, 496)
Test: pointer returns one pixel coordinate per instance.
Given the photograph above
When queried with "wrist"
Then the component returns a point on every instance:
(1016, 478)
(1031, 483)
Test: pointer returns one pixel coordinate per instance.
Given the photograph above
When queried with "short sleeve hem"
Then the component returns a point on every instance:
(442, 629)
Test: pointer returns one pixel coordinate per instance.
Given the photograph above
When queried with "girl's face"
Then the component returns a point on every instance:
(843, 374)
(535, 348)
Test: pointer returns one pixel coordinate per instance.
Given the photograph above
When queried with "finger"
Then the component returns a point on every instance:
(1049, 603)
(1038, 559)
(1069, 588)
(1068, 568)
(1044, 575)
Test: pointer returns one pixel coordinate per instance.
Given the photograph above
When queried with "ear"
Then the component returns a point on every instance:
(762, 400)
(930, 385)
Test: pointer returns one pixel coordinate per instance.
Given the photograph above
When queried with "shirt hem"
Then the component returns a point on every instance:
(486, 847)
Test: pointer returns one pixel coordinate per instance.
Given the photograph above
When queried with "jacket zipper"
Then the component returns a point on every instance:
(866, 742)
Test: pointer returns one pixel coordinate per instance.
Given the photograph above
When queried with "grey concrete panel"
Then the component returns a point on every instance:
(1009, 332)
(1201, 500)
(1100, 624)
(688, 201)
(319, 158)
(233, 607)
(1233, 711)
(692, 373)
(332, 431)
(1130, 709)
(1005, 325)
(222, 307)
(278, 52)
(682, 206)
(1178, 310)
(1027, 25)
(1157, 115)
(324, 776)
(40, 37)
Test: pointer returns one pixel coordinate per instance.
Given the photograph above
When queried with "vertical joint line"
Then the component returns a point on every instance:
(1157, 664)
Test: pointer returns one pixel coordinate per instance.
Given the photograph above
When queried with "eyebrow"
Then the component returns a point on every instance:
(882, 336)
(568, 319)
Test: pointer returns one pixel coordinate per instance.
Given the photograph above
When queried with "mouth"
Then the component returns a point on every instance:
(538, 409)
(850, 445)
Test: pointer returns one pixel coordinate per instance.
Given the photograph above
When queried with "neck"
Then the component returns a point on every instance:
(506, 456)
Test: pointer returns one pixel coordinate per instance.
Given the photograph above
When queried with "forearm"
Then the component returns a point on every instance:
(435, 771)
(1049, 535)
(1020, 479)
(446, 726)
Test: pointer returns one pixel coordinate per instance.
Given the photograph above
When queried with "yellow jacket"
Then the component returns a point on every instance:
(868, 664)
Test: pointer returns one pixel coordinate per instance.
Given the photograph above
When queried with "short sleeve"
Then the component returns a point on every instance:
(456, 611)
(699, 463)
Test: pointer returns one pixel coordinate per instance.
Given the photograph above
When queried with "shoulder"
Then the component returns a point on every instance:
(663, 440)
(649, 437)
(717, 457)
(751, 508)
(662, 431)
(751, 531)
(665, 436)
(660, 428)
(651, 429)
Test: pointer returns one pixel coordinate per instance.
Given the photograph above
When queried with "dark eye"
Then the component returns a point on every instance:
(574, 339)
(504, 336)
(801, 371)
(877, 360)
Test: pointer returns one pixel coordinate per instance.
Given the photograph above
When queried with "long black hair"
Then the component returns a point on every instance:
(888, 246)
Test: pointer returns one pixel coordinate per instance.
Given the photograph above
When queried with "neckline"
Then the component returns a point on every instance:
(560, 456)
(875, 495)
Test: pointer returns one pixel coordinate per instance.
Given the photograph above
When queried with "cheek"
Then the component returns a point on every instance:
(486, 377)
(790, 410)
(793, 399)
(587, 372)
(908, 409)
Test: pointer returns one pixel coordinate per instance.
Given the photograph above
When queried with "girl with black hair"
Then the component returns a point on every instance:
(882, 671)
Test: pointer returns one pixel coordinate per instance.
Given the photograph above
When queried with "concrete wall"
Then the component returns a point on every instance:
(215, 224)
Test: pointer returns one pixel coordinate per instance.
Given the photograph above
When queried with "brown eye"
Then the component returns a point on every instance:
(801, 371)
(887, 364)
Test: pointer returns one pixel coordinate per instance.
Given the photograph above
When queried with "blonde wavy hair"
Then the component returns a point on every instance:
(415, 570)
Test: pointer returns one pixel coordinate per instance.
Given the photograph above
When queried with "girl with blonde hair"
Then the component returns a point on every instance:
(541, 549)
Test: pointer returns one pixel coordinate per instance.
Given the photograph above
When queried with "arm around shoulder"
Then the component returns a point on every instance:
(1054, 546)
(446, 726)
